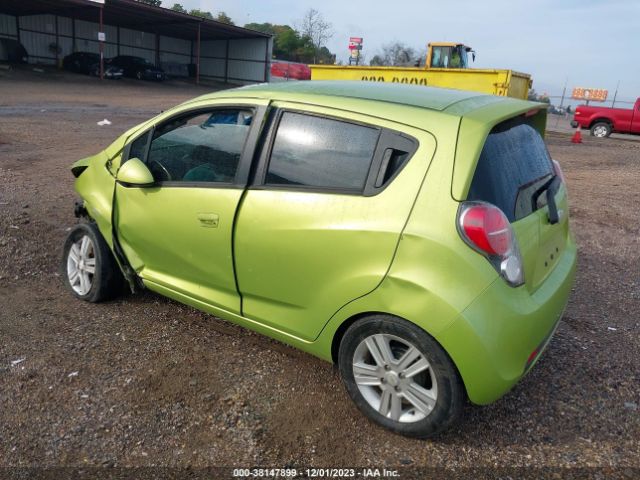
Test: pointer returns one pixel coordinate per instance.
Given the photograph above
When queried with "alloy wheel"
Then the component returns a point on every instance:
(81, 265)
(600, 131)
(395, 378)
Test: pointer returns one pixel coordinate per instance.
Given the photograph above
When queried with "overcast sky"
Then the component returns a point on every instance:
(589, 43)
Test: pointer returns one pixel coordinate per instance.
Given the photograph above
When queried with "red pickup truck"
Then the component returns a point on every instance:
(603, 121)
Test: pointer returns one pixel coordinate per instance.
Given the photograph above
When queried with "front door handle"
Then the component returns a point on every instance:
(209, 220)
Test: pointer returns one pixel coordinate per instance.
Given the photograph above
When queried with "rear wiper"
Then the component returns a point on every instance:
(550, 188)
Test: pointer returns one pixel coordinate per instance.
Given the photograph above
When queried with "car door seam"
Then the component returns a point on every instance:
(397, 245)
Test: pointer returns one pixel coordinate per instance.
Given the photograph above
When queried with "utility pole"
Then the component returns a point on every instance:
(613, 104)
(564, 91)
(101, 36)
(198, 55)
(101, 44)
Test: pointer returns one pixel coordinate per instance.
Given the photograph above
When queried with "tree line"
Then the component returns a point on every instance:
(305, 42)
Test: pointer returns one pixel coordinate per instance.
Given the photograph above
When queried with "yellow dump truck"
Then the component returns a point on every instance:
(446, 66)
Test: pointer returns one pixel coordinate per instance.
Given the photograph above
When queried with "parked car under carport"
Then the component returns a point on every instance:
(12, 51)
(89, 64)
(138, 67)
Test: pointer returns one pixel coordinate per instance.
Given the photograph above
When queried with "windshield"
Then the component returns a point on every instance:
(142, 61)
(464, 59)
(440, 57)
(513, 166)
(449, 57)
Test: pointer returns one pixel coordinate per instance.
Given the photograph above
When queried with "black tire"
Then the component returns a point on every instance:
(451, 394)
(107, 281)
(599, 127)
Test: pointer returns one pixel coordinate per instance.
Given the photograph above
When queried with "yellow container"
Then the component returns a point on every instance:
(505, 83)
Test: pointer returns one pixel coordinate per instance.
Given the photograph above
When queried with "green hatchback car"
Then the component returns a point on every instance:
(416, 237)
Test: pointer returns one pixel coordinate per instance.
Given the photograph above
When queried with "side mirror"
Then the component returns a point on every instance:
(135, 173)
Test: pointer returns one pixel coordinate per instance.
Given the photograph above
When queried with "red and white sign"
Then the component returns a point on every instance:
(355, 44)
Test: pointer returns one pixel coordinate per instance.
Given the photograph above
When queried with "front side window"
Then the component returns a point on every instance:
(202, 147)
(318, 152)
(138, 148)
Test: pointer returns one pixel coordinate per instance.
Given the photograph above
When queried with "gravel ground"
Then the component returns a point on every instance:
(144, 381)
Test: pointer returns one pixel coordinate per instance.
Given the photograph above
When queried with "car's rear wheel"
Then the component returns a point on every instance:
(601, 129)
(400, 377)
(88, 266)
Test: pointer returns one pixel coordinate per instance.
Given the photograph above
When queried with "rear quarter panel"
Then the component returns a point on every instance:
(434, 275)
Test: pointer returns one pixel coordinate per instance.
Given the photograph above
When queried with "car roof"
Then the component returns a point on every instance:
(457, 102)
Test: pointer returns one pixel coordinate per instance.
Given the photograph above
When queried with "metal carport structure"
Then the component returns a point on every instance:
(51, 29)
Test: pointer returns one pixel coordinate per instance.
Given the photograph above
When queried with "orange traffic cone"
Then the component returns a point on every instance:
(577, 137)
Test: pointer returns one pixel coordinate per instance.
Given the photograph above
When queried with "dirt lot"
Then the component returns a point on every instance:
(145, 381)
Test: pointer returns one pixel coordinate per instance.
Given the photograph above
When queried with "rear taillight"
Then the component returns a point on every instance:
(486, 229)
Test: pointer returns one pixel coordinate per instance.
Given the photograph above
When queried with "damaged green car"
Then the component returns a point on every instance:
(417, 237)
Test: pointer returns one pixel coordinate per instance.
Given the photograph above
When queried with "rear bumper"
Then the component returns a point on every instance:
(502, 333)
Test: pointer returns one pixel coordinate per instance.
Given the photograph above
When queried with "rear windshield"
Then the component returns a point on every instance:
(513, 166)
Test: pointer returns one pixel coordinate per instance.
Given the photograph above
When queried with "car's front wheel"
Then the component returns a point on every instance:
(88, 266)
(400, 377)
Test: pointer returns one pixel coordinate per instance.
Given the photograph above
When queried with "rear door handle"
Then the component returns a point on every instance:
(209, 220)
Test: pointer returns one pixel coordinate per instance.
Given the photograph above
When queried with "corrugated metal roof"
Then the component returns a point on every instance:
(134, 15)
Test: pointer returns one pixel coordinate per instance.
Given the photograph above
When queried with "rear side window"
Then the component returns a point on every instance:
(513, 165)
(318, 152)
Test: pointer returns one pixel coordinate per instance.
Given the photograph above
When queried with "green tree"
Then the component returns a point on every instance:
(196, 12)
(155, 3)
(536, 97)
(224, 18)
(261, 27)
(179, 8)
(285, 42)
(289, 44)
(395, 54)
(377, 61)
(316, 29)
(326, 57)
(306, 51)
